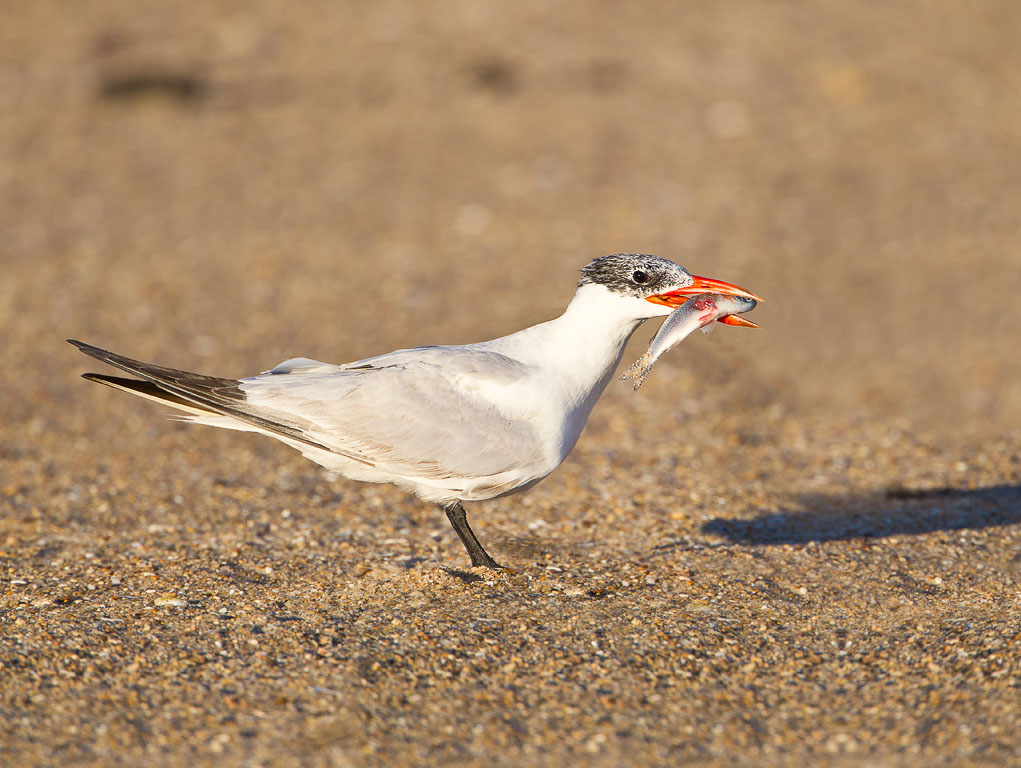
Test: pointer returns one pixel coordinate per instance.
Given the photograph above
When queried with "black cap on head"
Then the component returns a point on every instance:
(635, 274)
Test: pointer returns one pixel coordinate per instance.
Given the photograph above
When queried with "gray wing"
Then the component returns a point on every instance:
(430, 412)
(426, 412)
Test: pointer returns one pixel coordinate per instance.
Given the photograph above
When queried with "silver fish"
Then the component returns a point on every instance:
(700, 311)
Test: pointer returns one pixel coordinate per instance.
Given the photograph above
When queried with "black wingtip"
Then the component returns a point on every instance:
(92, 351)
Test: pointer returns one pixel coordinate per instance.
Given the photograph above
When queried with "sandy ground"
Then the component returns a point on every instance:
(794, 546)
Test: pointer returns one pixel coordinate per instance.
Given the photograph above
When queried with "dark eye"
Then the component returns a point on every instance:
(640, 276)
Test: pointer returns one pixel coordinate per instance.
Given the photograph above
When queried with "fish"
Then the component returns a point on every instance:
(702, 311)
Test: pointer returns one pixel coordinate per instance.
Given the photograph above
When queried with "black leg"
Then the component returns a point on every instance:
(459, 519)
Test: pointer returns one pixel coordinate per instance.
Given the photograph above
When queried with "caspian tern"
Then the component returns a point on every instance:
(451, 423)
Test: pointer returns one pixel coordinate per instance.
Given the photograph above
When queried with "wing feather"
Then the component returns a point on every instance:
(210, 393)
(427, 411)
(429, 414)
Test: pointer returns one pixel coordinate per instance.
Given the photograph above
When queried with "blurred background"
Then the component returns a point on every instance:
(219, 186)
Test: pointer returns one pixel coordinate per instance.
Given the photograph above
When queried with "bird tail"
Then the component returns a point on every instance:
(202, 398)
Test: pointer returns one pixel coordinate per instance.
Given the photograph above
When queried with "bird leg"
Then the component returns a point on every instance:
(459, 519)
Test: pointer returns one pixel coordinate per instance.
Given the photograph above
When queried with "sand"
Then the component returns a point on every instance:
(799, 545)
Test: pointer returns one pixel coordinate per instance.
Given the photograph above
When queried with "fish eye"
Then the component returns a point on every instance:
(640, 276)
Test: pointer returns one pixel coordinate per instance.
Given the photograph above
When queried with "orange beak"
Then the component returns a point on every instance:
(702, 285)
(738, 321)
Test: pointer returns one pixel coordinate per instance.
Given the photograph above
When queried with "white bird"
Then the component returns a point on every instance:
(446, 423)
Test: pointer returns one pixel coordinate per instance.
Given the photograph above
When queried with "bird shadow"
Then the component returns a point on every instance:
(821, 517)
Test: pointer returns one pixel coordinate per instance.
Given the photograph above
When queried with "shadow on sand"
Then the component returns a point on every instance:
(894, 512)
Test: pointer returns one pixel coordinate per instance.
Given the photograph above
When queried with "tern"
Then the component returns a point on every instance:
(446, 423)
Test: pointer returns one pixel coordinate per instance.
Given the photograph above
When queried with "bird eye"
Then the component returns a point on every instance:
(640, 276)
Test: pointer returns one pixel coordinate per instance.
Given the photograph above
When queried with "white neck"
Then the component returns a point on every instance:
(582, 347)
(572, 358)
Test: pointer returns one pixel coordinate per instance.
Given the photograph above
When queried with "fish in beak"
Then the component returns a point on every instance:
(700, 285)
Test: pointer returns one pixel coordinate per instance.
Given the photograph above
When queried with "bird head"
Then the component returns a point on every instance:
(657, 285)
